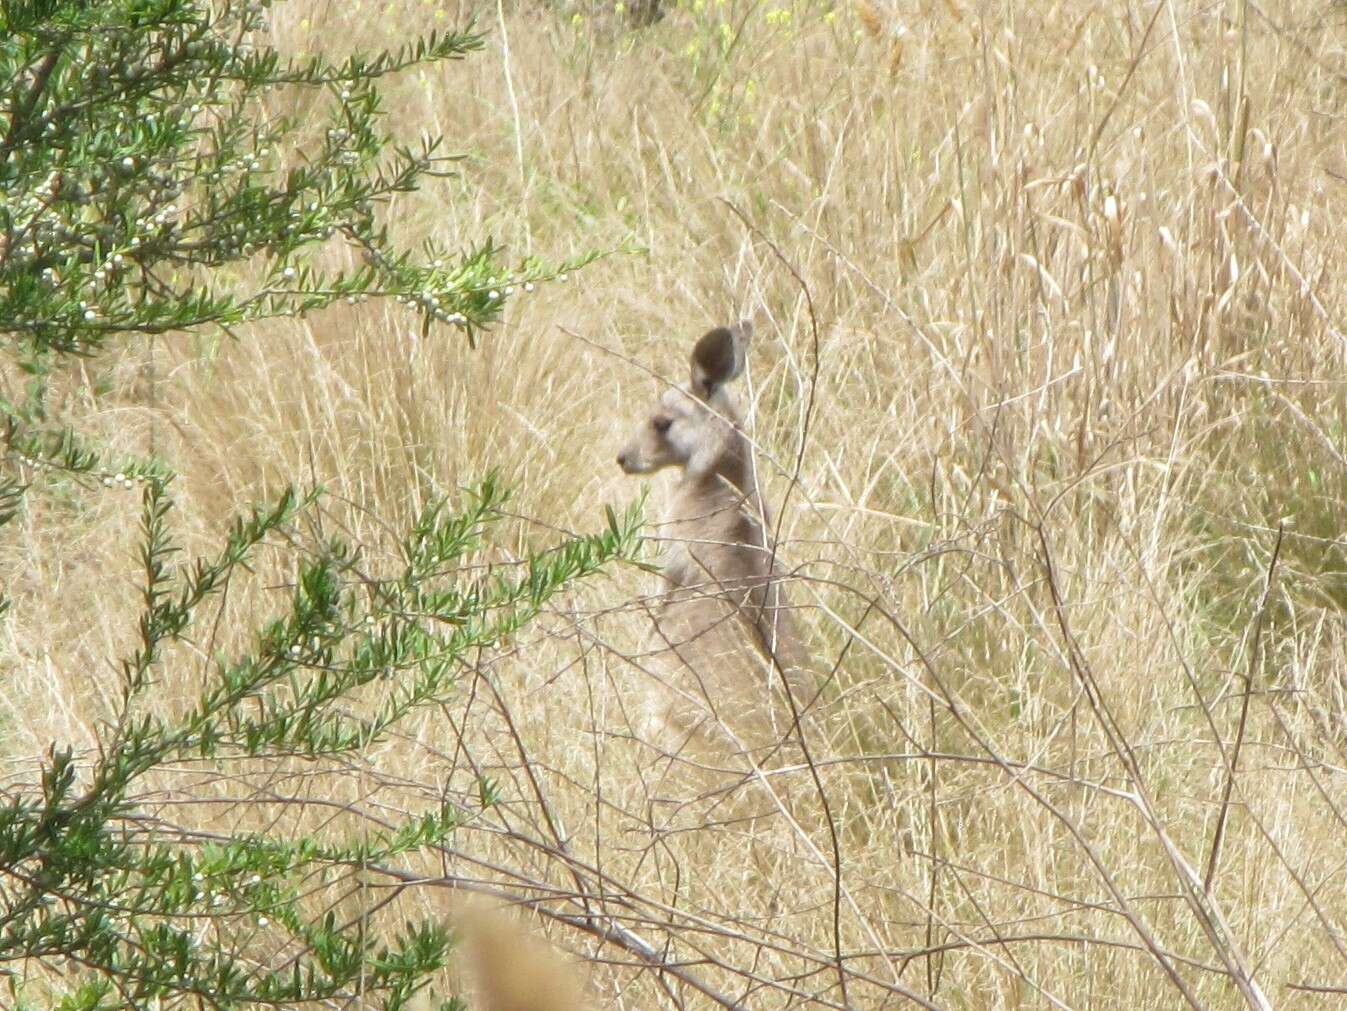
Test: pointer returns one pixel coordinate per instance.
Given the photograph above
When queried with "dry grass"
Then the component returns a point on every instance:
(1076, 351)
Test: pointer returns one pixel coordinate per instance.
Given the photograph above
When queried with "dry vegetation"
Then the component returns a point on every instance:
(1056, 434)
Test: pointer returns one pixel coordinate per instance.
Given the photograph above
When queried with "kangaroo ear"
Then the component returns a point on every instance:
(719, 357)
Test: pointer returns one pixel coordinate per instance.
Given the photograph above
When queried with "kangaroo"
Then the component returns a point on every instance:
(722, 638)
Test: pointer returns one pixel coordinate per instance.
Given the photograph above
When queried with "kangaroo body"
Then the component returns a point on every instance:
(723, 645)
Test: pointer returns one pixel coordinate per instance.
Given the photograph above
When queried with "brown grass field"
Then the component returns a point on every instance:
(1051, 309)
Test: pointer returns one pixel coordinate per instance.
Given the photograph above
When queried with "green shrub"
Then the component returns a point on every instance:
(147, 191)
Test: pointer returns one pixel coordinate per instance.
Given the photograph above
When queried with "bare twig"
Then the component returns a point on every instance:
(1258, 622)
(797, 726)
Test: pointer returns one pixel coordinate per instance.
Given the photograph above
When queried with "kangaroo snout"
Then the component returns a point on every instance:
(636, 457)
(633, 461)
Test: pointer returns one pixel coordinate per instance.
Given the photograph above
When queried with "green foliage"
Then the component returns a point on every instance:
(146, 189)
(137, 157)
(92, 880)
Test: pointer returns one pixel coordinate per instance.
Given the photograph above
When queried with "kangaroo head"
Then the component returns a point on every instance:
(694, 428)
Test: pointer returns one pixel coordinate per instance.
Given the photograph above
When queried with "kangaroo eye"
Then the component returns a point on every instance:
(661, 425)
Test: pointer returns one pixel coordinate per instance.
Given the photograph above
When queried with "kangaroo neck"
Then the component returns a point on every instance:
(719, 491)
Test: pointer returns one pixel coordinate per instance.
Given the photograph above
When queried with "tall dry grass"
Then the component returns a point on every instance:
(1048, 390)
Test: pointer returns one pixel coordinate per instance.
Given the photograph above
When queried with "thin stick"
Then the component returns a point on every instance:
(798, 727)
(1258, 620)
